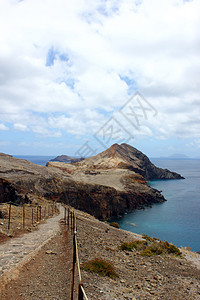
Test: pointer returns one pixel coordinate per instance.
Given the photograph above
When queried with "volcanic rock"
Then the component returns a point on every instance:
(108, 184)
(67, 159)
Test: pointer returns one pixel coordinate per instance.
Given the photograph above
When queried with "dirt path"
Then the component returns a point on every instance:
(15, 253)
(46, 275)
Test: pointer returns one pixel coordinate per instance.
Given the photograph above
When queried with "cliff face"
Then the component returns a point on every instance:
(106, 185)
(128, 157)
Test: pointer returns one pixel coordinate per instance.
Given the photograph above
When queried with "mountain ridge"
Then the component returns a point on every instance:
(126, 156)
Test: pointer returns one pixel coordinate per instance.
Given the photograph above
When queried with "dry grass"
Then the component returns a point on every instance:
(151, 246)
(114, 224)
(101, 267)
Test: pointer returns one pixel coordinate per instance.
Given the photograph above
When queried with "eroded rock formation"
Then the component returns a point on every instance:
(106, 185)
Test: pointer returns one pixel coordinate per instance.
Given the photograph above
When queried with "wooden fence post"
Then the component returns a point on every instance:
(73, 267)
(68, 219)
(37, 213)
(76, 263)
(71, 216)
(23, 216)
(80, 292)
(32, 216)
(9, 215)
(65, 216)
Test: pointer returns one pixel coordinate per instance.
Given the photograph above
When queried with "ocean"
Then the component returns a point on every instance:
(36, 159)
(178, 219)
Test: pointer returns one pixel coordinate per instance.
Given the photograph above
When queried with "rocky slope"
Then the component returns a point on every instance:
(67, 159)
(106, 185)
(47, 275)
(127, 157)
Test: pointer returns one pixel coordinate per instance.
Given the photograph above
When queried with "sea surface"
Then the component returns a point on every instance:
(36, 159)
(178, 219)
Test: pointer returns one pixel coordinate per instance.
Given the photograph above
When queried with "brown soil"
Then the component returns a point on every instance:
(47, 275)
(3, 238)
(155, 277)
(17, 228)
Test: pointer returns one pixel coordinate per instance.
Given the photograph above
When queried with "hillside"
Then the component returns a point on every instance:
(108, 184)
(127, 157)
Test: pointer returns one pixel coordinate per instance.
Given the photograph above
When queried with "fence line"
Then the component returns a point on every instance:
(34, 214)
(72, 224)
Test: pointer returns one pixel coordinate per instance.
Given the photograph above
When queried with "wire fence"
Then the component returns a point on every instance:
(71, 221)
(26, 215)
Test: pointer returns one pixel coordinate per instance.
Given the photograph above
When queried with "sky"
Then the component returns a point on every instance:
(78, 76)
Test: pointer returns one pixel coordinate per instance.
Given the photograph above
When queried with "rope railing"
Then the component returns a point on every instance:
(34, 211)
(70, 220)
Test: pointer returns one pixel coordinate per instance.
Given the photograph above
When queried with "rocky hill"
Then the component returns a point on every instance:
(127, 157)
(108, 184)
(67, 159)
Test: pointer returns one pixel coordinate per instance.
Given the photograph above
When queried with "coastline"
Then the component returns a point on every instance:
(140, 277)
(177, 219)
(183, 225)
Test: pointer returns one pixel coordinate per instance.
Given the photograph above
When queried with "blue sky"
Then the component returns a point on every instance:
(68, 68)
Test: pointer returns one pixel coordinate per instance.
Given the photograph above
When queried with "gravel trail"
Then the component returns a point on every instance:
(46, 275)
(18, 251)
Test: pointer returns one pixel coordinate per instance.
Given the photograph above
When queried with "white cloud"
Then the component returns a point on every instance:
(156, 46)
(79, 123)
(20, 127)
(41, 131)
(3, 127)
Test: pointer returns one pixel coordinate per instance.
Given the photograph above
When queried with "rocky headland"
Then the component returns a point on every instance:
(67, 159)
(108, 184)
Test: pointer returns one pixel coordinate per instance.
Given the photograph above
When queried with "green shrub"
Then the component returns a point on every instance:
(114, 224)
(159, 248)
(148, 238)
(101, 267)
(146, 252)
(154, 249)
(132, 245)
(151, 246)
(170, 248)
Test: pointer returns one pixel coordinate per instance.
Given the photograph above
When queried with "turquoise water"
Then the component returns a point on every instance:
(178, 219)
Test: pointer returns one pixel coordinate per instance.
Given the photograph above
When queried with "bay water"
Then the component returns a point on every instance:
(178, 219)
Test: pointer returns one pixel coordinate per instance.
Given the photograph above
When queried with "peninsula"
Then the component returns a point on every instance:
(106, 185)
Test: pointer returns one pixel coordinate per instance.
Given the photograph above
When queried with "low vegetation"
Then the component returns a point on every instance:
(138, 245)
(114, 224)
(151, 246)
(101, 267)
